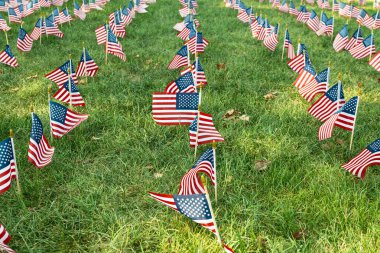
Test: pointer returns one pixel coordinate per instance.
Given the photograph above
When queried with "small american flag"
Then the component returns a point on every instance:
(24, 41)
(61, 75)
(303, 14)
(335, 5)
(318, 85)
(180, 59)
(329, 103)
(8, 171)
(227, 249)
(78, 12)
(344, 10)
(6, 248)
(364, 49)
(271, 40)
(255, 26)
(63, 120)
(7, 57)
(36, 5)
(326, 27)
(297, 63)
(364, 17)
(197, 43)
(370, 156)
(305, 77)
(198, 72)
(3, 24)
(288, 45)
(94, 6)
(29, 9)
(175, 109)
(376, 18)
(203, 131)
(115, 24)
(245, 15)
(195, 207)
(354, 11)
(190, 182)
(4, 6)
(12, 15)
(54, 16)
(355, 40)
(185, 33)
(344, 118)
(45, 3)
(4, 236)
(114, 47)
(284, 7)
(85, 7)
(326, 5)
(86, 65)
(292, 9)
(52, 29)
(184, 84)
(313, 22)
(72, 97)
(101, 34)
(375, 62)
(64, 16)
(40, 153)
(126, 18)
(39, 29)
(186, 10)
(341, 39)
(265, 30)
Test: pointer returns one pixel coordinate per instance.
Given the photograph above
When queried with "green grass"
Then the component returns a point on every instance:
(93, 197)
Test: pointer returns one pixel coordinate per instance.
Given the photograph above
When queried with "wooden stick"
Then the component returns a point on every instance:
(84, 59)
(214, 155)
(353, 128)
(41, 30)
(106, 43)
(6, 37)
(70, 97)
(283, 45)
(11, 135)
(51, 129)
(372, 41)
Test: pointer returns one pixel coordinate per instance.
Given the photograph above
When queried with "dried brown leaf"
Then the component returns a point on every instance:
(32, 77)
(270, 95)
(94, 138)
(300, 234)
(232, 113)
(262, 165)
(82, 81)
(244, 117)
(221, 66)
(340, 141)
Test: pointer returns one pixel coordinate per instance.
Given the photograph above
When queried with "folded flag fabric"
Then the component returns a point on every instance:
(329, 103)
(175, 109)
(271, 40)
(190, 182)
(7, 57)
(341, 39)
(288, 45)
(61, 74)
(180, 59)
(6, 248)
(370, 156)
(364, 49)
(40, 153)
(356, 39)
(101, 34)
(184, 84)
(197, 43)
(375, 62)
(305, 77)
(86, 65)
(78, 12)
(185, 32)
(4, 236)
(3, 24)
(70, 96)
(63, 120)
(198, 73)
(8, 171)
(114, 47)
(203, 131)
(24, 41)
(64, 16)
(39, 29)
(318, 85)
(313, 21)
(344, 118)
(52, 29)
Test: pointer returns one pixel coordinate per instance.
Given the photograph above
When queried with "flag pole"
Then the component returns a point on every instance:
(45, 28)
(106, 42)
(84, 61)
(196, 67)
(211, 210)
(11, 135)
(70, 74)
(41, 27)
(69, 14)
(51, 129)
(353, 128)
(196, 134)
(328, 74)
(372, 42)
(333, 25)
(6, 37)
(283, 45)
(339, 90)
(214, 155)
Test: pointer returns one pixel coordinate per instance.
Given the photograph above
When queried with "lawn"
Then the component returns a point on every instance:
(93, 197)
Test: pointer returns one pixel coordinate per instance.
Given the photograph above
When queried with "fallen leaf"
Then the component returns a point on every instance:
(149, 61)
(270, 95)
(82, 81)
(262, 165)
(299, 235)
(15, 89)
(231, 114)
(360, 84)
(157, 175)
(262, 242)
(32, 77)
(221, 66)
(326, 146)
(94, 138)
(340, 141)
(244, 117)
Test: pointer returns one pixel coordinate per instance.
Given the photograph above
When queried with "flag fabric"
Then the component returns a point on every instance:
(245, 15)
(325, 26)
(29, 10)
(197, 43)
(24, 41)
(318, 85)
(114, 47)
(61, 74)
(344, 10)
(86, 65)
(370, 156)
(203, 131)
(7, 57)
(184, 84)
(341, 39)
(288, 45)
(292, 9)
(180, 59)
(271, 40)
(64, 94)
(63, 120)
(313, 21)
(198, 73)
(195, 207)
(40, 153)
(227, 249)
(4, 236)
(52, 29)
(12, 15)
(6, 248)
(39, 29)
(298, 62)
(305, 77)
(64, 16)
(3, 6)
(363, 18)
(303, 14)
(265, 30)
(284, 7)
(8, 171)
(190, 182)
(364, 49)
(101, 34)
(126, 18)
(356, 39)
(115, 24)
(375, 62)
(255, 26)
(175, 109)
(376, 18)
(78, 12)
(328, 104)
(184, 34)
(85, 7)
(344, 118)
(3, 24)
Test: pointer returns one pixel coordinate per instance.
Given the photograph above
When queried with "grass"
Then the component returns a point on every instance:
(93, 197)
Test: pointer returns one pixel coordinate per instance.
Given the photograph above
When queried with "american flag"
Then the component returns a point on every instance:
(181, 25)
(318, 85)
(40, 153)
(39, 29)
(175, 109)
(326, 5)
(245, 15)
(344, 10)
(354, 11)
(227, 249)
(341, 39)
(12, 15)
(64, 16)
(126, 18)
(255, 26)
(115, 24)
(271, 40)
(284, 7)
(101, 34)
(57, 2)
(114, 47)
(86, 65)
(78, 12)
(305, 77)
(298, 63)
(4, 236)
(375, 62)
(364, 49)
(54, 16)
(184, 34)
(313, 22)
(195, 206)
(198, 72)
(29, 9)
(3, 24)
(94, 6)
(185, 3)
(24, 41)
(303, 14)
(72, 97)
(184, 84)
(180, 59)
(36, 5)
(288, 45)
(197, 43)
(8, 171)
(356, 39)
(63, 120)
(203, 131)
(7, 57)
(241, 6)
(336, 5)
(326, 25)
(61, 74)
(45, 3)
(185, 10)
(52, 29)
(131, 8)
(329, 103)
(292, 9)
(85, 8)
(141, 8)
(363, 17)
(376, 18)
(265, 30)
(190, 182)
(4, 6)
(344, 118)
(6, 248)
(370, 156)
